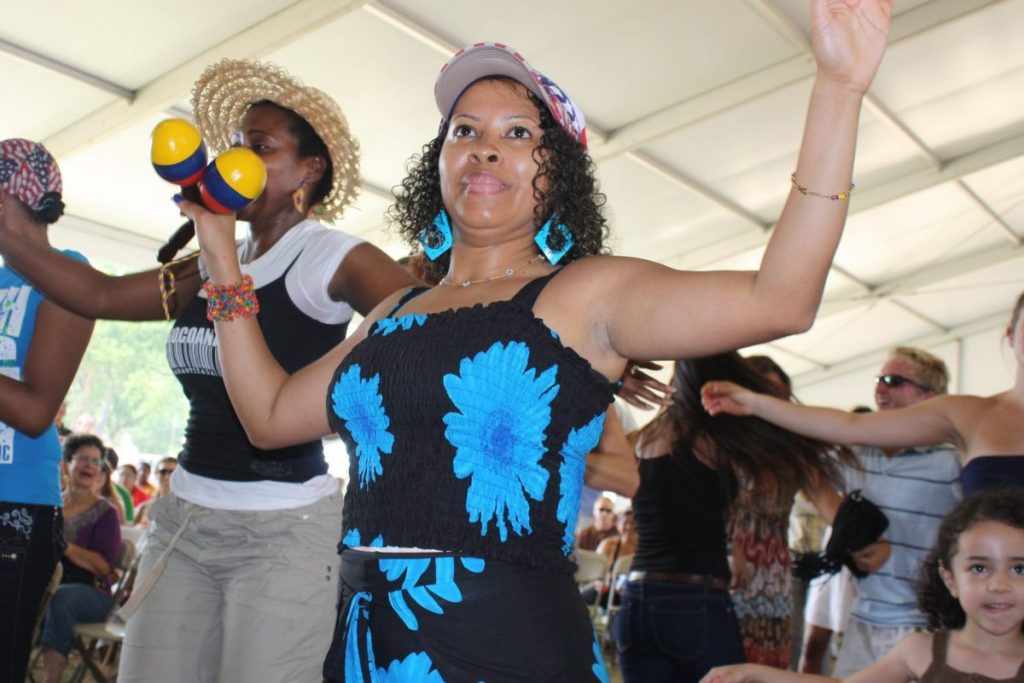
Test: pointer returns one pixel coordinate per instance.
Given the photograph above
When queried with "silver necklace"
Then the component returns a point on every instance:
(509, 272)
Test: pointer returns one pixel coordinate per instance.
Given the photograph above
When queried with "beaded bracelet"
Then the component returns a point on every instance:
(841, 197)
(230, 302)
(165, 278)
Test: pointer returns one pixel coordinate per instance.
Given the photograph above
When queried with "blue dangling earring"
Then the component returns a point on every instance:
(556, 243)
(437, 238)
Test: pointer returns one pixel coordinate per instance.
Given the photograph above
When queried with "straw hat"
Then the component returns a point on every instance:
(225, 91)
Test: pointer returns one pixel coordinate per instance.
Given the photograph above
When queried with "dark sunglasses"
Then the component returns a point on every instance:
(163, 472)
(893, 381)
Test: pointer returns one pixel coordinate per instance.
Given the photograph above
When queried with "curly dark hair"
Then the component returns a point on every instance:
(775, 463)
(1005, 506)
(572, 191)
(73, 442)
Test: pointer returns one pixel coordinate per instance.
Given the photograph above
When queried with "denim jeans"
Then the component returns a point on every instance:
(31, 543)
(674, 632)
(73, 603)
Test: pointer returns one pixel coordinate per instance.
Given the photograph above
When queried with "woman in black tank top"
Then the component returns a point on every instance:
(677, 618)
(469, 408)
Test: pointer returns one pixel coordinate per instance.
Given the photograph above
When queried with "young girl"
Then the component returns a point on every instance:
(973, 594)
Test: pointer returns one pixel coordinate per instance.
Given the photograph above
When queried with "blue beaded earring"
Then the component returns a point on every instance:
(554, 243)
(437, 238)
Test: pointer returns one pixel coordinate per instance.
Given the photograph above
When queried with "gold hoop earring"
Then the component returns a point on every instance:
(299, 200)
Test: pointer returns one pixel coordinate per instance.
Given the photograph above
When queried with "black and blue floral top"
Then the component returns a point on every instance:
(467, 431)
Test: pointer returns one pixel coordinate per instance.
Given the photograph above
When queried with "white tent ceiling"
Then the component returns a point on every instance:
(694, 110)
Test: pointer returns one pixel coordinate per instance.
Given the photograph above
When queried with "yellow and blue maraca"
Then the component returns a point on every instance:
(233, 180)
(177, 152)
(228, 184)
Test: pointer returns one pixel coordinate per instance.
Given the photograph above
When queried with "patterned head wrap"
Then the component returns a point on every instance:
(28, 171)
(481, 60)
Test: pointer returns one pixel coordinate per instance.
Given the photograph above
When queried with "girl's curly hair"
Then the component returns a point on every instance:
(1005, 506)
(572, 191)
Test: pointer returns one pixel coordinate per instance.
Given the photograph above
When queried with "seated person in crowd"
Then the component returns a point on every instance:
(164, 469)
(603, 527)
(128, 477)
(622, 544)
(144, 482)
(123, 494)
(93, 534)
(613, 547)
(106, 489)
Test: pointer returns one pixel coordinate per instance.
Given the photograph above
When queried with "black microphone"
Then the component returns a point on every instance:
(184, 234)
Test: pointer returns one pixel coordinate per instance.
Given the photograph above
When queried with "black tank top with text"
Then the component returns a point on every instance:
(215, 441)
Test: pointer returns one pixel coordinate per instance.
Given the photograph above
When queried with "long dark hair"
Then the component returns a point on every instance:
(572, 191)
(770, 461)
(1005, 506)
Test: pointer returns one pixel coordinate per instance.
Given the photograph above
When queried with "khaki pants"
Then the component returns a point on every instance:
(245, 596)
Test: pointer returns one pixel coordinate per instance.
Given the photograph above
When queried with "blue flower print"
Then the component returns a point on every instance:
(386, 326)
(416, 668)
(498, 433)
(599, 668)
(353, 539)
(359, 403)
(570, 475)
(355, 651)
(444, 585)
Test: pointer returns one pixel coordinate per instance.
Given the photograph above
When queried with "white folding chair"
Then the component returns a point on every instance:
(89, 638)
(591, 566)
(37, 632)
(618, 573)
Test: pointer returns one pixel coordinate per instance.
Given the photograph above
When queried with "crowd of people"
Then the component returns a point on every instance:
(474, 400)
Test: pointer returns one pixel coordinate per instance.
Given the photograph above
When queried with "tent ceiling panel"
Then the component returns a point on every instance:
(694, 112)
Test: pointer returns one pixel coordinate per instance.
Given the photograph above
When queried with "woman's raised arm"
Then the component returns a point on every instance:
(928, 422)
(652, 312)
(83, 290)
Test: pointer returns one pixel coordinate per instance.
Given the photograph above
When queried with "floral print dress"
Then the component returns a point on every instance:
(468, 430)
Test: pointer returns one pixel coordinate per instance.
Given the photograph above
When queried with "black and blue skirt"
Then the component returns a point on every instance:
(436, 618)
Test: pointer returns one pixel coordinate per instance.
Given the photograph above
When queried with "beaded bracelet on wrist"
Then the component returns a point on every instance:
(840, 197)
(230, 302)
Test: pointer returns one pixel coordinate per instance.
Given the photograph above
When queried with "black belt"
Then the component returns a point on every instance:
(706, 580)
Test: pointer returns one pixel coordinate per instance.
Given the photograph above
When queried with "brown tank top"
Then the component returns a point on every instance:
(940, 672)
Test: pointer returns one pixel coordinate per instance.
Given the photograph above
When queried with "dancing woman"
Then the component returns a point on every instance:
(469, 407)
(677, 618)
(239, 578)
(41, 346)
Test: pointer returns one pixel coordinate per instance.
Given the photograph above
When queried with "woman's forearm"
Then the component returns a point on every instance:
(87, 292)
(91, 561)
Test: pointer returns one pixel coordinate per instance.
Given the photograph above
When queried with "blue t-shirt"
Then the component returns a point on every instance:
(29, 467)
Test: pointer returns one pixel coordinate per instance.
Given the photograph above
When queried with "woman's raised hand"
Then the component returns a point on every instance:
(216, 234)
(849, 38)
(728, 398)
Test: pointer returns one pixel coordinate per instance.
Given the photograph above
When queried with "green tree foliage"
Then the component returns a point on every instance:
(125, 384)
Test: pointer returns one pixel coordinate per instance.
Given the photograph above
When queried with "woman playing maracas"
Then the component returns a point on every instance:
(242, 560)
